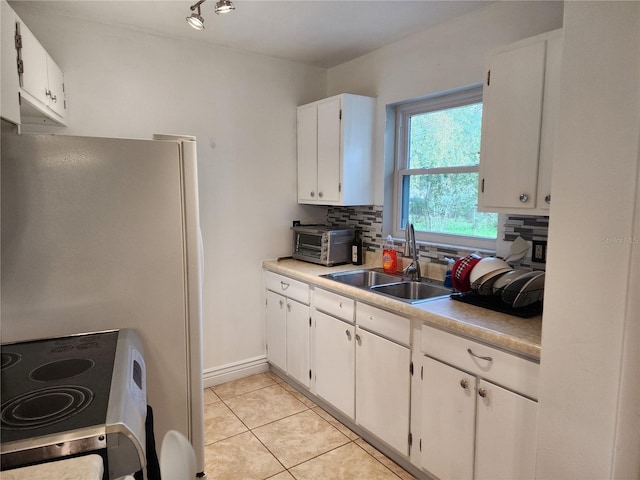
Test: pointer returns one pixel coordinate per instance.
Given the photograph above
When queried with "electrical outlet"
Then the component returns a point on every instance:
(539, 251)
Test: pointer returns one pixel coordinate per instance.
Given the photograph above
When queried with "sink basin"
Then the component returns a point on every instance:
(391, 285)
(363, 278)
(413, 292)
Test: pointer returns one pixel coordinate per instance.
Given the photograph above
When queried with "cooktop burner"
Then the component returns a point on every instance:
(9, 359)
(55, 385)
(45, 406)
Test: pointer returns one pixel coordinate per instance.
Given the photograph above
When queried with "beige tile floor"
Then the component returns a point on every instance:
(260, 427)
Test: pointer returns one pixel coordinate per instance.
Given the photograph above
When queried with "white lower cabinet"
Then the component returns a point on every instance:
(298, 330)
(288, 326)
(276, 329)
(448, 420)
(335, 362)
(471, 428)
(383, 388)
(505, 435)
(364, 369)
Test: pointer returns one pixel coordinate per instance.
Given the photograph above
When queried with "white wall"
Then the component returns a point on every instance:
(241, 107)
(589, 417)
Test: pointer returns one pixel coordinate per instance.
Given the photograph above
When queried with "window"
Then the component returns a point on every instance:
(436, 182)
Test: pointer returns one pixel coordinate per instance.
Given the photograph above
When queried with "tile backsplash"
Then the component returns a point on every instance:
(369, 220)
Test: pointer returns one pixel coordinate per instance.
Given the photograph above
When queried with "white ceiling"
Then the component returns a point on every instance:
(324, 33)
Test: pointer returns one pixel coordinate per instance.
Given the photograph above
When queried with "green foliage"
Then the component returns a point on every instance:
(446, 138)
(447, 202)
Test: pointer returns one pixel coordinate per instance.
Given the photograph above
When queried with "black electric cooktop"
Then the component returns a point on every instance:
(55, 385)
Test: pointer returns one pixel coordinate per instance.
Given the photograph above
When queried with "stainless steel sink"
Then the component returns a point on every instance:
(394, 286)
(413, 291)
(363, 278)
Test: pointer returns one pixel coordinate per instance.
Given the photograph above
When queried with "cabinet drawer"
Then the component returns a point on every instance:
(334, 304)
(511, 372)
(387, 324)
(288, 287)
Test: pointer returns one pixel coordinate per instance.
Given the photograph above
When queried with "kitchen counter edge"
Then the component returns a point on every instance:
(520, 336)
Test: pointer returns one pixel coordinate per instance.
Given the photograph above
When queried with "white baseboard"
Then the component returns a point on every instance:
(233, 371)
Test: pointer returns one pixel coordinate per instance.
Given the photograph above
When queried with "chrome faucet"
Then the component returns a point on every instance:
(414, 266)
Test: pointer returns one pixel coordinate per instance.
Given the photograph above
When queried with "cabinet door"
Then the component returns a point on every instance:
(307, 153)
(55, 79)
(382, 389)
(329, 145)
(34, 59)
(8, 58)
(448, 420)
(276, 329)
(335, 362)
(511, 128)
(506, 434)
(549, 120)
(298, 328)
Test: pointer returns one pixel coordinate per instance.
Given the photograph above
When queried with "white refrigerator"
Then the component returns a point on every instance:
(103, 233)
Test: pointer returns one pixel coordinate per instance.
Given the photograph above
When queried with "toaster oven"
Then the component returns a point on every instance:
(322, 244)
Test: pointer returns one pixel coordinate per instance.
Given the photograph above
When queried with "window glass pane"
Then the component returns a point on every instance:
(446, 203)
(445, 138)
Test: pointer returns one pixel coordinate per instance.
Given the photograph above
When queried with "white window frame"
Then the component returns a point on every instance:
(441, 101)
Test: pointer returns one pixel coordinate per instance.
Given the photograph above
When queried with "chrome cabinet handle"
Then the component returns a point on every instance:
(288, 307)
(358, 339)
(348, 334)
(524, 197)
(281, 303)
(464, 383)
(488, 359)
(482, 392)
(320, 194)
(340, 305)
(313, 194)
(547, 199)
(284, 285)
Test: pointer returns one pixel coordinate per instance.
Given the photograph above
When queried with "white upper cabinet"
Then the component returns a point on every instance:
(335, 148)
(520, 101)
(32, 82)
(10, 101)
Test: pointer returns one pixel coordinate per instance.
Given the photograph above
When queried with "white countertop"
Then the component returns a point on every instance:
(518, 335)
(88, 467)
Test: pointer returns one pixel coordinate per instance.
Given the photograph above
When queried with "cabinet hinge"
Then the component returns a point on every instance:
(421, 373)
(420, 444)
(410, 439)
(339, 187)
(309, 374)
(482, 189)
(309, 321)
(340, 114)
(18, 43)
(488, 78)
(411, 368)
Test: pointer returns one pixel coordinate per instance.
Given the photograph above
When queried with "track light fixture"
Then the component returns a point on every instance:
(224, 6)
(197, 21)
